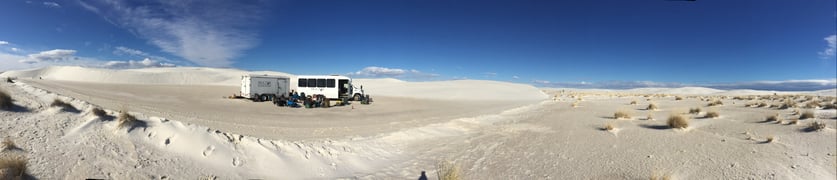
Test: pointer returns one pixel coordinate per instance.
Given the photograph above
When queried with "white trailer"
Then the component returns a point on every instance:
(264, 87)
(332, 87)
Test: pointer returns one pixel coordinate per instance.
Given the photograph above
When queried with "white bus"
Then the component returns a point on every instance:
(332, 87)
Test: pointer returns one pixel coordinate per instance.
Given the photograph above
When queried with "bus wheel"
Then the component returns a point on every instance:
(356, 97)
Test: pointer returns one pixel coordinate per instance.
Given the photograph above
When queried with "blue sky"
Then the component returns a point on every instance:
(591, 44)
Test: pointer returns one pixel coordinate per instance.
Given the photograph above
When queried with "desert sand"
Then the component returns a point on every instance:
(488, 129)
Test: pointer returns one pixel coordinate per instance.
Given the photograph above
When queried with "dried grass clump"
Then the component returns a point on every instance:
(772, 118)
(126, 120)
(447, 170)
(633, 102)
(98, 112)
(694, 110)
(63, 105)
(651, 107)
(807, 115)
(621, 115)
(788, 104)
(711, 114)
(12, 166)
(9, 144)
(762, 104)
(609, 127)
(812, 104)
(829, 106)
(677, 121)
(677, 98)
(715, 103)
(794, 121)
(5, 100)
(770, 139)
(816, 126)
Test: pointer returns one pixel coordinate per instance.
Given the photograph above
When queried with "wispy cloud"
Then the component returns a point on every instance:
(382, 72)
(145, 63)
(829, 51)
(209, 33)
(52, 4)
(789, 85)
(4, 42)
(51, 55)
(515, 77)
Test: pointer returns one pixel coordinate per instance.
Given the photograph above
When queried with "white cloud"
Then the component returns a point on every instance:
(52, 4)
(146, 63)
(209, 33)
(120, 50)
(490, 74)
(379, 72)
(829, 51)
(515, 77)
(4, 42)
(54, 55)
(15, 49)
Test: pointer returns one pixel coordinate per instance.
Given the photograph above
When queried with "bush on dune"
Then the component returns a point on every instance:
(5, 100)
(447, 170)
(126, 120)
(677, 121)
(12, 166)
(621, 115)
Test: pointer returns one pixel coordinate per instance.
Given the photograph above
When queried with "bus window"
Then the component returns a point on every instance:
(302, 83)
(330, 83)
(321, 83)
(312, 82)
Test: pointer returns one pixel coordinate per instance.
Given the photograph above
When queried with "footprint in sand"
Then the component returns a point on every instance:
(208, 151)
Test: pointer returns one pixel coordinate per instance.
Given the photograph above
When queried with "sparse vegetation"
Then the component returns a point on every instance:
(447, 170)
(98, 112)
(63, 105)
(772, 118)
(762, 104)
(126, 120)
(715, 103)
(770, 139)
(787, 104)
(694, 111)
(812, 104)
(12, 166)
(609, 127)
(677, 98)
(9, 144)
(794, 121)
(651, 107)
(816, 126)
(677, 121)
(807, 115)
(633, 102)
(711, 114)
(829, 106)
(5, 100)
(621, 115)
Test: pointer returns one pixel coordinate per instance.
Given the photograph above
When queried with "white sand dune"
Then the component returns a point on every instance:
(491, 130)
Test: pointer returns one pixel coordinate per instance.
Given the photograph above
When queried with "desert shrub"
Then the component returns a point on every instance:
(816, 126)
(651, 106)
(677, 98)
(812, 104)
(772, 118)
(633, 102)
(694, 110)
(9, 144)
(98, 112)
(447, 170)
(63, 105)
(5, 100)
(762, 104)
(770, 139)
(829, 106)
(126, 120)
(794, 121)
(575, 104)
(715, 103)
(609, 127)
(711, 114)
(677, 121)
(787, 104)
(807, 115)
(12, 166)
(621, 115)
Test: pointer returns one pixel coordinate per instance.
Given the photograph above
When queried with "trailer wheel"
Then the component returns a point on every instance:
(263, 98)
(356, 97)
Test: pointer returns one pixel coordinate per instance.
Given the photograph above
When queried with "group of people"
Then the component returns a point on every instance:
(297, 100)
